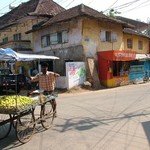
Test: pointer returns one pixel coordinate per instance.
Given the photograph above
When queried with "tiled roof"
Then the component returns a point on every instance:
(48, 7)
(32, 7)
(136, 23)
(134, 32)
(81, 10)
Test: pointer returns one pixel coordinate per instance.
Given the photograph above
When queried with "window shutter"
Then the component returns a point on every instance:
(103, 36)
(65, 36)
(53, 38)
(43, 40)
(114, 37)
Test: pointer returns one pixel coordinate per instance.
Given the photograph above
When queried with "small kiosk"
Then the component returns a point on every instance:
(113, 67)
(140, 69)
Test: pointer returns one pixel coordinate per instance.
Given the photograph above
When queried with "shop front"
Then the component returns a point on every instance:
(113, 67)
(140, 68)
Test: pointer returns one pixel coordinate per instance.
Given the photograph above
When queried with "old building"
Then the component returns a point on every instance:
(15, 24)
(134, 40)
(26, 16)
(77, 34)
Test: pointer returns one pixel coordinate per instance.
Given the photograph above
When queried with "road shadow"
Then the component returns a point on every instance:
(87, 123)
(146, 127)
(11, 141)
(81, 124)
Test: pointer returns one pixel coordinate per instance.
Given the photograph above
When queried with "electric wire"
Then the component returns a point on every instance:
(69, 3)
(129, 6)
(90, 2)
(126, 4)
(8, 6)
(111, 5)
(137, 7)
(12, 15)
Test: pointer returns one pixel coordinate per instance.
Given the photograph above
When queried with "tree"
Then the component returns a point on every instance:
(112, 13)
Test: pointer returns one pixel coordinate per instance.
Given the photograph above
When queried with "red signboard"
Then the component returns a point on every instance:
(117, 55)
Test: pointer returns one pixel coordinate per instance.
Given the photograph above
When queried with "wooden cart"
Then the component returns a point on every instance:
(24, 121)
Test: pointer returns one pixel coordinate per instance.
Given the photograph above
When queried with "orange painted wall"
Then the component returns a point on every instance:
(104, 68)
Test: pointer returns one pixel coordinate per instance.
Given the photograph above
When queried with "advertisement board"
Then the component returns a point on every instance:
(75, 73)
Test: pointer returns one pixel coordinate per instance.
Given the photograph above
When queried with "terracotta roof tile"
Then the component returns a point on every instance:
(81, 10)
(48, 7)
(134, 32)
(18, 12)
(34, 7)
(137, 24)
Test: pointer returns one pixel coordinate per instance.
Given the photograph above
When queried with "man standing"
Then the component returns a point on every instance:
(46, 81)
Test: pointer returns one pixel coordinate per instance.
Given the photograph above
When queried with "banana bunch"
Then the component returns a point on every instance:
(14, 102)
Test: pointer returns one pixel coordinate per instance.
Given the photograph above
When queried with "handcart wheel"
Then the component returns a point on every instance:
(5, 126)
(25, 126)
(47, 115)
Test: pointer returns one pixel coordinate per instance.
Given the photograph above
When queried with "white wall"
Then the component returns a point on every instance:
(75, 74)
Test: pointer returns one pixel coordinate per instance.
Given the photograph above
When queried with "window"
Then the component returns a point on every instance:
(55, 38)
(108, 36)
(120, 68)
(114, 37)
(45, 40)
(17, 37)
(59, 37)
(64, 36)
(5, 40)
(48, 40)
(140, 45)
(129, 43)
(103, 36)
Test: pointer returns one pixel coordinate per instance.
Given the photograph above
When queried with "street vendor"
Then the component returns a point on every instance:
(46, 81)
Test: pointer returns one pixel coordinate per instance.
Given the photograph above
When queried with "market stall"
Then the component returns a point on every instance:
(114, 67)
(18, 111)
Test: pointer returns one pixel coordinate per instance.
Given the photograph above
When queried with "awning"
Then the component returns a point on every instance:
(141, 56)
(148, 56)
(8, 54)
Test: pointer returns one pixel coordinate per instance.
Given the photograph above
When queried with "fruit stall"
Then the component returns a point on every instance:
(17, 111)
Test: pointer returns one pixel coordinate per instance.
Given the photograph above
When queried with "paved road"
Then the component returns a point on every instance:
(110, 119)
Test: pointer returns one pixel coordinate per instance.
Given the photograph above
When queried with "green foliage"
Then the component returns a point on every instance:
(112, 13)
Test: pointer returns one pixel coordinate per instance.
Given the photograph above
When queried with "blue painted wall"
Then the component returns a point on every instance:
(147, 67)
(138, 69)
(136, 72)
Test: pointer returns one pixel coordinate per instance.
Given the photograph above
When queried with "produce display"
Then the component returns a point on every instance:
(11, 104)
(14, 103)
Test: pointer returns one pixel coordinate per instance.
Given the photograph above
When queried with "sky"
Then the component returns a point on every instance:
(133, 9)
